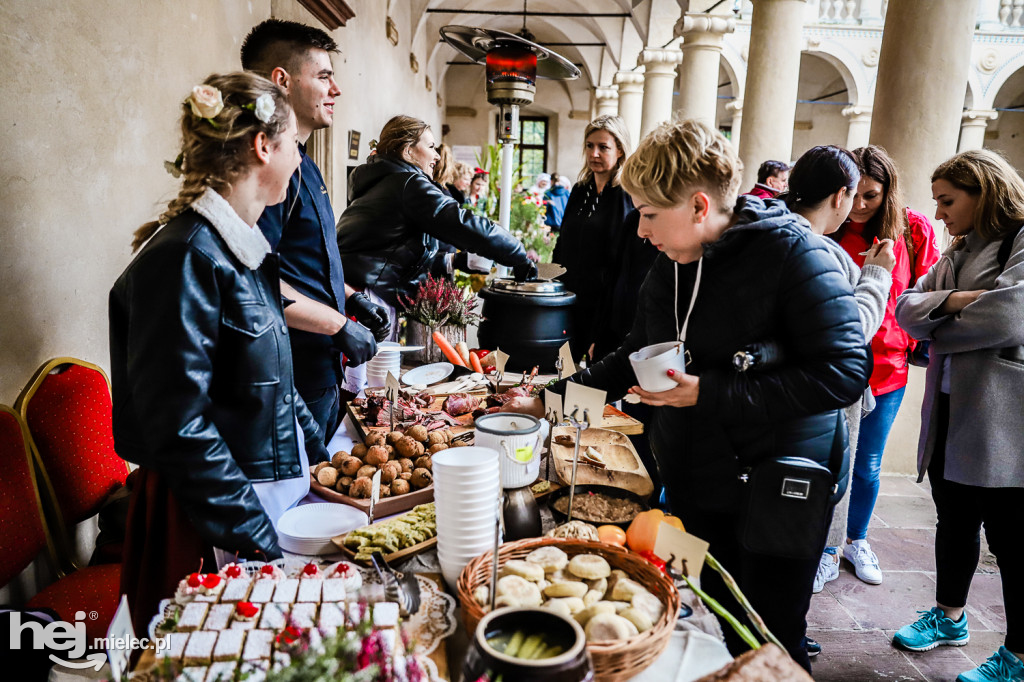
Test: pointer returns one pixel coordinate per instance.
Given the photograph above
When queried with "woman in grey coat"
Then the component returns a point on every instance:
(970, 306)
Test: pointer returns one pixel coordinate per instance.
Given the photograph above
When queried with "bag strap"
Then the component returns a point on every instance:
(835, 458)
(1004, 249)
(908, 237)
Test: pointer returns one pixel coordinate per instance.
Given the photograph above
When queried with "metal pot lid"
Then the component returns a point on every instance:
(534, 288)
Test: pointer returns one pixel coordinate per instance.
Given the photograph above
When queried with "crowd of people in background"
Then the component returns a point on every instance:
(248, 307)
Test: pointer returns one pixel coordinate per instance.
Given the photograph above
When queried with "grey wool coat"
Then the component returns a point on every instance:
(985, 444)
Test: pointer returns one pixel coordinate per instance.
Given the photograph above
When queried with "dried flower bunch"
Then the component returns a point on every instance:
(439, 302)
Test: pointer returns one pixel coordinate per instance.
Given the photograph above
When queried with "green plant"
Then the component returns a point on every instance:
(439, 302)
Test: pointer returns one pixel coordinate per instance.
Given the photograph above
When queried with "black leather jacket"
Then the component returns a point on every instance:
(765, 279)
(388, 236)
(202, 381)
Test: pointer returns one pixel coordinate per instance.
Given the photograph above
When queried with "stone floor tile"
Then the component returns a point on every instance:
(828, 614)
(898, 484)
(902, 549)
(890, 605)
(898, 511)
(941, 664)
(858, 656)
(985, 603)
(983, 644)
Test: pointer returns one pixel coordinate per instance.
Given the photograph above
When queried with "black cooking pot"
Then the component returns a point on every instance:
(572, 665)
(528, 320)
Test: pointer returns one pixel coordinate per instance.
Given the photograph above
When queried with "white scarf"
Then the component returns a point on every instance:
(247, 243)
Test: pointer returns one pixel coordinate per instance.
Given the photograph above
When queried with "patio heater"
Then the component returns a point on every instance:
(514, 62)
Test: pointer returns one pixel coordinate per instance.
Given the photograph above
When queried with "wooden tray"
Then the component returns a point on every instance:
(420, 546)
(386, 506)
(624, 470)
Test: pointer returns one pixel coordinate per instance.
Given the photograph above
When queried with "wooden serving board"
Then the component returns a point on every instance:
(624, 468)
(386, 506)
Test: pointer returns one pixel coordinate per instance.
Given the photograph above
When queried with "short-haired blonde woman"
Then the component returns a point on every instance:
(734, 274)
(590, 238)
(388, 235)
(969, 305)
(200, 361)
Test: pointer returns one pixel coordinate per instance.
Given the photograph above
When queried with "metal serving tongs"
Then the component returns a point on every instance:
(402, 588)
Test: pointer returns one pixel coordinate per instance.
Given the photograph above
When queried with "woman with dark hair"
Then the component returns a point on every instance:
(389, 233)
(879, 213)
(969, 306)
(821, 191)
(201, 373)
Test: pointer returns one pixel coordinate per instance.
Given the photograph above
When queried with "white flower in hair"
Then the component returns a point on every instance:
(206, 101)
(265, 107)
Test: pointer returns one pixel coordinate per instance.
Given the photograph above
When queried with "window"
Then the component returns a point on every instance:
(532, 150)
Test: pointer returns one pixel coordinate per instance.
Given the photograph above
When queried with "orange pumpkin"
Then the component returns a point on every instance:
(612, 535)
(643, 531)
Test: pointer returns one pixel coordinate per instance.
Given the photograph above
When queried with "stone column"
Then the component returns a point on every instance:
(973, 123)
(631, 97)
(606, 98)
(773, 72)
(659, 76)
(698, 74)
(858, 133)
(915, 67)
(736, 108)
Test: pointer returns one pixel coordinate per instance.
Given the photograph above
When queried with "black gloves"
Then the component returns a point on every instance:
(372, 316)
(356, 342)
(524, 271)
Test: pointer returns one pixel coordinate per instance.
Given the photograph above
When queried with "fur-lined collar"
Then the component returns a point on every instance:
(247, 243)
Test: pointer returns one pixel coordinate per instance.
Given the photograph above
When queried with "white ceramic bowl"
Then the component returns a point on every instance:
(472, 458)
(651, 365)
(308, 529)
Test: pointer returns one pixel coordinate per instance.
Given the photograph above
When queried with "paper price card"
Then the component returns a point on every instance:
(552, 405)
(500, 359)
(565, 355)
(119, 633)
(391, 388)
(584, 401)
(689, 550)
(375, 493)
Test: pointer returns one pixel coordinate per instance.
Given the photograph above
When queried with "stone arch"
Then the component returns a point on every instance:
(845, 63)
(999, 79)
(734, 64)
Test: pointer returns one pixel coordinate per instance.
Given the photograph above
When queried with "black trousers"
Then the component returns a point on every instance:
(325, 404)
(962, 510)
(779, 589)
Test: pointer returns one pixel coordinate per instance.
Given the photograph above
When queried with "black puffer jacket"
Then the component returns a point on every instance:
(766, 279)
(202, 381)
(388, 236)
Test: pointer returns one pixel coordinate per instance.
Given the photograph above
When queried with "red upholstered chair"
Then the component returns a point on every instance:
(24, 534)
(67, 408)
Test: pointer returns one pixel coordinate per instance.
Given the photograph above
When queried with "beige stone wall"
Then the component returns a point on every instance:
(89, 118)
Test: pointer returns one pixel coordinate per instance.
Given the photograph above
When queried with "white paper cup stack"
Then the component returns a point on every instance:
(387, 359)
(467, 484)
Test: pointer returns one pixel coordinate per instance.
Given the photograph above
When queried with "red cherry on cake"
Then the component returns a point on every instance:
(233, 571)
(247, 609)
(310, 569)
(211, 581)
(342, 569)
(194, 580)
(267, 570)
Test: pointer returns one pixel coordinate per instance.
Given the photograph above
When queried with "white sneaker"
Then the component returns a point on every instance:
(864, 561)
(828, 570)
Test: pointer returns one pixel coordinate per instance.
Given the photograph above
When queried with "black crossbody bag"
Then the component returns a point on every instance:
(786, 499)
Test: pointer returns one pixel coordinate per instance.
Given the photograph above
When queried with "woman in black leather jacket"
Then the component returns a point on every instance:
(760, 277)
(200, 360)
(389, 233)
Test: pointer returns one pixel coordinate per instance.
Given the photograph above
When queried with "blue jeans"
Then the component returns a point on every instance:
(867, 463)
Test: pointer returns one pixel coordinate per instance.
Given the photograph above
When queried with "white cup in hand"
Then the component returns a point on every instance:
(651, 365)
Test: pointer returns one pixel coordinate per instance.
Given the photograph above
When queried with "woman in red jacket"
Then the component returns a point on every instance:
(879, 213)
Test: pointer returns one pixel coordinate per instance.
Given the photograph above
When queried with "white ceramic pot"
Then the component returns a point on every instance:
(651, 365)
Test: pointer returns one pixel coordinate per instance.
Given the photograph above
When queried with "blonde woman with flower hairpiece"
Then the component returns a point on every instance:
(201, 373)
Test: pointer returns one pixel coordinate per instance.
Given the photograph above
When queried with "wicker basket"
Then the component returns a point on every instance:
(614, 660)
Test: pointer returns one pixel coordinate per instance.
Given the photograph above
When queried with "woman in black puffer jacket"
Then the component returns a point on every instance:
(760, 277)
(388, 236)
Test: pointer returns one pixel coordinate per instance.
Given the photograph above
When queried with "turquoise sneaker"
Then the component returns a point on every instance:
(1002, 666)
(931, 630)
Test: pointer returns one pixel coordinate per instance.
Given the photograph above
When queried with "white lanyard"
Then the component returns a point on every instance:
(681, 335)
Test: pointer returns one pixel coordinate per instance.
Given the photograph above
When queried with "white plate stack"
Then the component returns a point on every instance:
(387, 359)
(308, 529)
(467, 486)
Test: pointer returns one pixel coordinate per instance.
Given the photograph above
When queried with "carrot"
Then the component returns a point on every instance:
(474, 362)
(446, 348)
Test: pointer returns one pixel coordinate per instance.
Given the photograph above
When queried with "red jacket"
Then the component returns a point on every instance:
(763, 191)
(890, 344)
